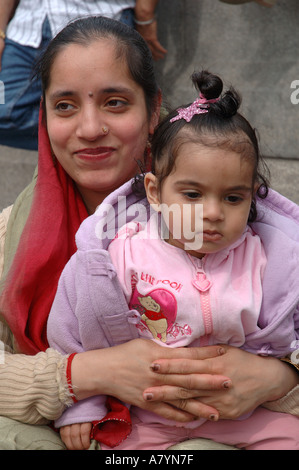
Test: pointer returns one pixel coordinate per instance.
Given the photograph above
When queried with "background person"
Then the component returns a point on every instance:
(26, 28)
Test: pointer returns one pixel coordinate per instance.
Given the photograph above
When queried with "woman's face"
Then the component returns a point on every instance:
(91, 92)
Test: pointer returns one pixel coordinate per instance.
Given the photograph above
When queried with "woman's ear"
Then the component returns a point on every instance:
(152, 191)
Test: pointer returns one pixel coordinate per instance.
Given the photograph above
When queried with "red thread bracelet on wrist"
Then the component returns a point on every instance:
(69, 376)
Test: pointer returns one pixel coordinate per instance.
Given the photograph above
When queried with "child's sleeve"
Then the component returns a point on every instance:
(63, 332)
(123, 250)
(89, 312)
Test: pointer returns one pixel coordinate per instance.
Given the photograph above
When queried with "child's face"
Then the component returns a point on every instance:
(220, 182)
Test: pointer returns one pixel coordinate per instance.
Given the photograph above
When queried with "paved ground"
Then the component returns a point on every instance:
(16, 169)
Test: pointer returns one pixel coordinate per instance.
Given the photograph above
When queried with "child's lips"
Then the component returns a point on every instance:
(211, 235)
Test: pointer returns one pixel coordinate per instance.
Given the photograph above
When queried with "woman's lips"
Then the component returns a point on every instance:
(98, 153)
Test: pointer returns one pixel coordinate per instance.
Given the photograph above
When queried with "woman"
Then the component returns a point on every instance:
(100, 104)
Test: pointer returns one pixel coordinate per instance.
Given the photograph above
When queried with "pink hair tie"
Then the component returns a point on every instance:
(199, 106)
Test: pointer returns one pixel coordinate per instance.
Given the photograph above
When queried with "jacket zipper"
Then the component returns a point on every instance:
(203, 285)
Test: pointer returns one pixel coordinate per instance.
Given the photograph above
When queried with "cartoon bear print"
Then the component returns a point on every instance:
(154, 318)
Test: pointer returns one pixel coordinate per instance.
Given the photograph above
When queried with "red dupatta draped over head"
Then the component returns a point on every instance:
(46, 244)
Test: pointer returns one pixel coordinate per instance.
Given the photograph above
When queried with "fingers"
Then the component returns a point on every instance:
(76, 436)
(180, 366)
(185, 410)
(206, 352)
(186, 386)
(157, 50)
(197, 409)
(172, 412)
(149, 33)
(188, 360)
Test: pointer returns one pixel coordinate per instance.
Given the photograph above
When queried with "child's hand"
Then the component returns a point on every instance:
(76, 436)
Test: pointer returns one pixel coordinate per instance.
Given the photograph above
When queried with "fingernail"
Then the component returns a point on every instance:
(148, 396)
(226, 384)
(221, 351)
(213, 417)
(155, 367)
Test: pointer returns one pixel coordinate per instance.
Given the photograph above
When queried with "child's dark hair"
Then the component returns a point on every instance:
(222, 126)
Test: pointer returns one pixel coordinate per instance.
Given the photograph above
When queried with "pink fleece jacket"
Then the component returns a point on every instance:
(90, 309)
(183, 300)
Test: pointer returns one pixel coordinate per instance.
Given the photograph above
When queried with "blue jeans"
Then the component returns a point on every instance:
(19, 104)
(19, 113)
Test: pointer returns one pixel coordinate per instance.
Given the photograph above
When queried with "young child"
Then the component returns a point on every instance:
(192, 267)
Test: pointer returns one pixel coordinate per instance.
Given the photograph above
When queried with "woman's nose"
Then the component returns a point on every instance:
(90, 126)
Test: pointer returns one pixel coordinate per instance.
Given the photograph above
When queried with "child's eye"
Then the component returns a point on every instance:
(234, 199)
(192, 194)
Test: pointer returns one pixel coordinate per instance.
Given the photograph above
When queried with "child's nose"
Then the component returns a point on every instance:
(212, 210)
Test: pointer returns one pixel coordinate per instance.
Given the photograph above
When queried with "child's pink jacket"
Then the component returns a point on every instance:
(90, 310)
(182, 300)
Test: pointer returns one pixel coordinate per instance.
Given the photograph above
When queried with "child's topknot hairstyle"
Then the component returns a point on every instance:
(212, 120)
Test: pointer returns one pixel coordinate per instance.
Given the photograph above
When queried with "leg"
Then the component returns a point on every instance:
(154, 436)
(19, 110)
(263, 430)
(150, 436)
(19, 436)
(127, 17)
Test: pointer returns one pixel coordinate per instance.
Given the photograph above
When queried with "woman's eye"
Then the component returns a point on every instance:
(63, 107)
(115, 103)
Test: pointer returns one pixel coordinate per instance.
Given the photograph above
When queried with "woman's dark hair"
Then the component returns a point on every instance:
(130, 46)
(222, 126)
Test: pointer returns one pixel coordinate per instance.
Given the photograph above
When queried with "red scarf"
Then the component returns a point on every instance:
(46, 244)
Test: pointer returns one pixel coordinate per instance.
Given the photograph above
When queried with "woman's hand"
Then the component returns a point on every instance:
(2, 45)
(149, 33)
(254, 380)
(125, 371)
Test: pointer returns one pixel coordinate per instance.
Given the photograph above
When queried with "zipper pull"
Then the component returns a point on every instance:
(201, 282)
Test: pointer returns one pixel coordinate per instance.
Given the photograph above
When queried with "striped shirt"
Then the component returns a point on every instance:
(25, 27)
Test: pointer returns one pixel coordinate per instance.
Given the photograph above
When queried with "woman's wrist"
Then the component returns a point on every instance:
(144, 22)
(69, 376)
(80, 376)
(286, 378)
(91, 372)
(145, 11)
